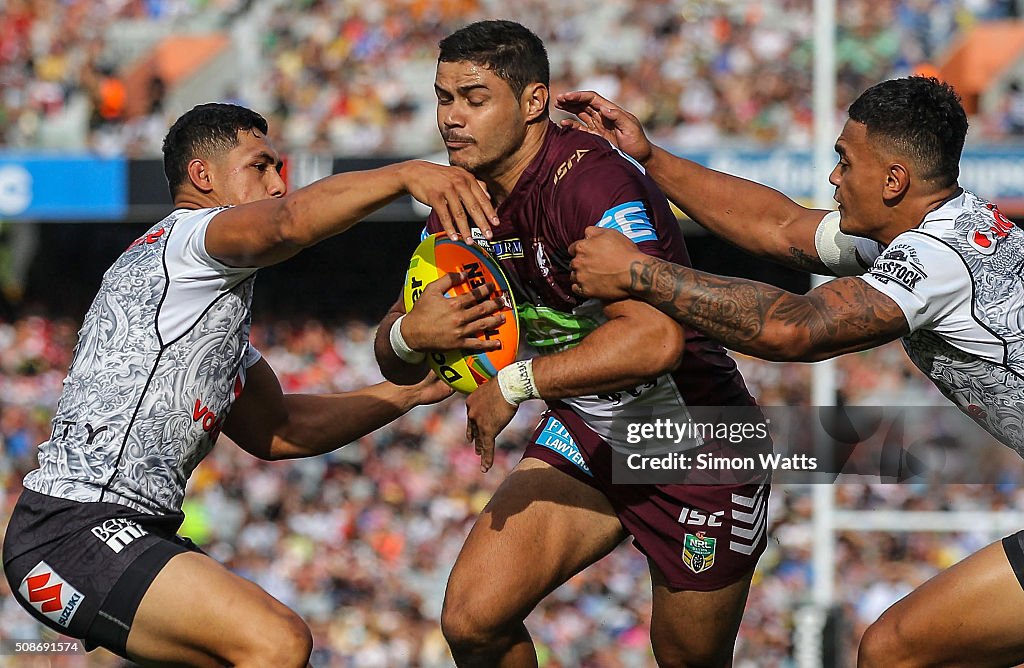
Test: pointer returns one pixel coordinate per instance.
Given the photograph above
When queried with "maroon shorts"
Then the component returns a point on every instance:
(701, 537)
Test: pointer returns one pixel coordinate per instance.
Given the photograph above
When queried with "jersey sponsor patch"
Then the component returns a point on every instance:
(556, 437)
(551, 330)
(507, 249)
(899, 264)
(631, 219)
(50, 594)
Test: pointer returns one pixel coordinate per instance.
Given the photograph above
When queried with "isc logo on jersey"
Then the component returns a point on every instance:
(899, 264)
(50, 594)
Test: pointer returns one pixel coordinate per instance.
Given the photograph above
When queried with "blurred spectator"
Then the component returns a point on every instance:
(353, 77)
(360, 542)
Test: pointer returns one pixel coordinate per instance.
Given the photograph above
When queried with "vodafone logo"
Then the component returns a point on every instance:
(50, 594)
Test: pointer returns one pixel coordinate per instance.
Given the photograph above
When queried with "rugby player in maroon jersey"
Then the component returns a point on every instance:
(601, 367)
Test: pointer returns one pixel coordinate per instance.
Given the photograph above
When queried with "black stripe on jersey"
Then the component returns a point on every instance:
(974, 289)
(156, 363)
(206, 310)
(163, 348)
(167, 285)
(128, 429)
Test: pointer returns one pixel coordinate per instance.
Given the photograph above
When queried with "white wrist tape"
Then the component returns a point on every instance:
(516, 382)
(401, 348)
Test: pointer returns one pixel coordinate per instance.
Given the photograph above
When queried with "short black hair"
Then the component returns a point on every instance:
(921, 118)
(507, 48)
(204, 131)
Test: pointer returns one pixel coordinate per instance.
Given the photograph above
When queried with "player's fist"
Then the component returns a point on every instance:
(602, 264)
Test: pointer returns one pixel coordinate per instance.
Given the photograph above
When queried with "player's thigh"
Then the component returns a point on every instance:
(540, 528)
(197, 611)
(695, 628)
(971, 614)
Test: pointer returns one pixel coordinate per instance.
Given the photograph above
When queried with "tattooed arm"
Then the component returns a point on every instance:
(841, 316)
(754, 217)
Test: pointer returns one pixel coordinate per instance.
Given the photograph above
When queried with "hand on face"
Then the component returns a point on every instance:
(601, 264)
(455, 196)
(439, 323)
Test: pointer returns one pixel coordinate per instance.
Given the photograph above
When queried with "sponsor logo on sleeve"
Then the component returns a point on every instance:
(50, 594)
(630, 219)
(899, 265)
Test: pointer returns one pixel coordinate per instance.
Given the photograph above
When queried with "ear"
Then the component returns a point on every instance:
(535, 100)
(897, 182)
(199, 175)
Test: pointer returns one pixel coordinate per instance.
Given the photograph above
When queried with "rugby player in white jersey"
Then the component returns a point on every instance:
(162, 357)
(919, 258)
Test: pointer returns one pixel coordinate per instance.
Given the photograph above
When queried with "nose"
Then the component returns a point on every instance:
(833, 178)
(277, 187)
(452, 117)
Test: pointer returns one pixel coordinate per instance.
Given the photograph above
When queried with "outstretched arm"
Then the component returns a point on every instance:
(758, 219)
(272, 230)
(841, 316)
(272, 425)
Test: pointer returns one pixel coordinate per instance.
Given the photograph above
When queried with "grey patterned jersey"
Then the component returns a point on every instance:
(958, 279)
(160, 358)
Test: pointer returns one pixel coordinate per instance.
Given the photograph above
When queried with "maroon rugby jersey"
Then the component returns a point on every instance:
(578, 180)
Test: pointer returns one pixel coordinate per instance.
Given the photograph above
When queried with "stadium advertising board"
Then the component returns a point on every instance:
(47, 188)
(993, 173)
(42, 187)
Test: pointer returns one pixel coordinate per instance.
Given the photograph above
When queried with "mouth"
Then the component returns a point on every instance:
(455, 143)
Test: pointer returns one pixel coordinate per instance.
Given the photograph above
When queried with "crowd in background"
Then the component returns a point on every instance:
(352, 77)
(360, 542)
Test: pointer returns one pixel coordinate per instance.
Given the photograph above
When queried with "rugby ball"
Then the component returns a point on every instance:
(438, 255)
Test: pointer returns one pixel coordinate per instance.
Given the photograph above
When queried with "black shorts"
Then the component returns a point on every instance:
(701, 537)
(1013, 545)
(83, 568)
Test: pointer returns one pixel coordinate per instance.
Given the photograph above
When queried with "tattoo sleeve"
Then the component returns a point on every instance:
(843, 315)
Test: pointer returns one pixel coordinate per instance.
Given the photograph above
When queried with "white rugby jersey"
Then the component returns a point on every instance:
(957, 278)
(160, 358)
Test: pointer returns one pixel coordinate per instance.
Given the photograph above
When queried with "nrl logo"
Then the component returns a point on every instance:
(699, 551)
